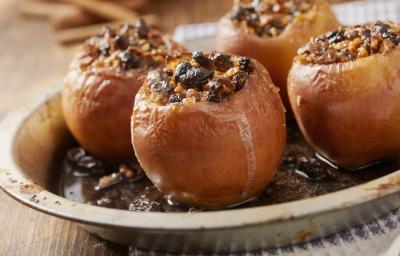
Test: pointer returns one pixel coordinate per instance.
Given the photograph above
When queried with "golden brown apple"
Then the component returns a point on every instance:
(209, 129)
(102, 82)
(272, 31)
(344, 89)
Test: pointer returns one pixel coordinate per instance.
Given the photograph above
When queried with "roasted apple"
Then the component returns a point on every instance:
(209, 129)
(100, 87)
(271, 31)
(344, 88)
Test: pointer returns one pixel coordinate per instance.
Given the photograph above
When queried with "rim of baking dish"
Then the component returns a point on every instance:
(11, 178)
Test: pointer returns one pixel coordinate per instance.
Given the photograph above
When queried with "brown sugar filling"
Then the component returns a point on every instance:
(198, 77)
(269, 18)
(349, 43)
(127, 47)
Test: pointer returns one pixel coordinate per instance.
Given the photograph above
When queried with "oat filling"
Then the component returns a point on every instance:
(198, 77)
(349, 43)
(127, 47)
(269, 18)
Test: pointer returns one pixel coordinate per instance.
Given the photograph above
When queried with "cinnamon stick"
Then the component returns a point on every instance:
(131, 4)
(78, 34)
(43, 9)
(105, 9)
(70, 20)
(73, 35)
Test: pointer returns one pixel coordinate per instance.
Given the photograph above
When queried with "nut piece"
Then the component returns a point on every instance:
(350, 43)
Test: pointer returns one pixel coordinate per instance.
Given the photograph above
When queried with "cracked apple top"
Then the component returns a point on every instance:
(268, 18)
(349, 43)
(206, 77)
(127, 47)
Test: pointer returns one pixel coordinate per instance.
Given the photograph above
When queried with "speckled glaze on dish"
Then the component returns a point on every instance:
(32, 136)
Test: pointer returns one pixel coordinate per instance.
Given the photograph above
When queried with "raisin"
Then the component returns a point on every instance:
(395, 38)
(201, 59)
(289, 161)
(181, 70)
(196, 77)
(381, 28)
(278, 25)
(129, 60)
(335, 36)
(222, 62)
(241, 11)
(142, 29)
(213, 97)
(213, 92)
(121, 42)
(175, 98)
(239, 79)
(245, 64)
(262, 30)
(252, 20)
(311, 169)
(219, 89)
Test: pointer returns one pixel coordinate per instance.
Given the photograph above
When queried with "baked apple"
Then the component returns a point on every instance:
(271, 31)
(100, 87)
(209, 129)
(344, 88)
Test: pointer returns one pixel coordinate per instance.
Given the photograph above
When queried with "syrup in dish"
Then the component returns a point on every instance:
(302, 175)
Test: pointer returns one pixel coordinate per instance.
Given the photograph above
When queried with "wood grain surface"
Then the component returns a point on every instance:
(30, 61)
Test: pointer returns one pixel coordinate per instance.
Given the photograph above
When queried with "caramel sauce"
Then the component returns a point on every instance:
(302, 175)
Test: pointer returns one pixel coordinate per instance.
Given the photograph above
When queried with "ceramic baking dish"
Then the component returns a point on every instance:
(32, 138)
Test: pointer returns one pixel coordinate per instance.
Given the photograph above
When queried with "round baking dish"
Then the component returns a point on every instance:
(32, 137)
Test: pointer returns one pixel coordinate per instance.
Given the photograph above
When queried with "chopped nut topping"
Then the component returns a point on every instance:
(125, 172)
(269, 18)
(198, 77)
(126, 47)
(350, 43)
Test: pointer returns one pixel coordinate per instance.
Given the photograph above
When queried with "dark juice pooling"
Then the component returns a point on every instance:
(124, 186)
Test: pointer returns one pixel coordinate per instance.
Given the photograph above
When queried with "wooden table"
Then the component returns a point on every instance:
(30, 61)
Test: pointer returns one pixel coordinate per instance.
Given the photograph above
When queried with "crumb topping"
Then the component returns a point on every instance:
(127, 47)
(349, 43)
(269, 18)
(198, 77)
